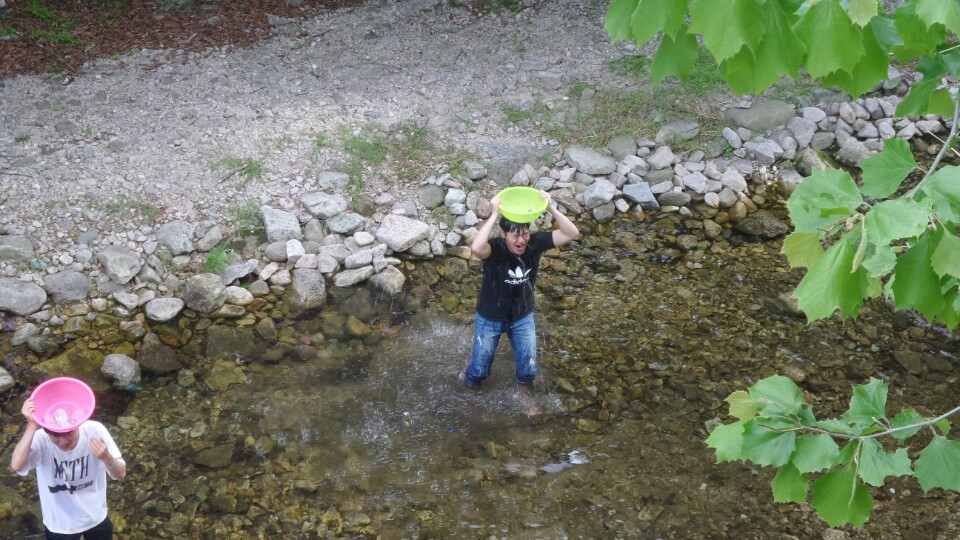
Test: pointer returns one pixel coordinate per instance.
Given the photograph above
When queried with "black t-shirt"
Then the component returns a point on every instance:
(507, 290)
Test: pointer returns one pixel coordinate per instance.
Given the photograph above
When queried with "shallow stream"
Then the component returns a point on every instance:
(640, 345)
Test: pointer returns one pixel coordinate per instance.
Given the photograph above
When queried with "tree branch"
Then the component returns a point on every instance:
(946, 145)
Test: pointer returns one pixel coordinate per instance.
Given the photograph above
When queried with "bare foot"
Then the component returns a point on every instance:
(527, 401)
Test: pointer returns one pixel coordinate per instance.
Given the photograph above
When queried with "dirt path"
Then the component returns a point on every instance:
(156, 134)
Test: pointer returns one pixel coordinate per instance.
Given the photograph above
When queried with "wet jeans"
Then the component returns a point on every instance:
(103, 531)
(486, 336)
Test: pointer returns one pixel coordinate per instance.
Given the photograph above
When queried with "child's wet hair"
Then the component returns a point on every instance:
(512, 227)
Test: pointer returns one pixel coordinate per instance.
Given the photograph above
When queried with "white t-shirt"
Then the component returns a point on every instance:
(72, 485)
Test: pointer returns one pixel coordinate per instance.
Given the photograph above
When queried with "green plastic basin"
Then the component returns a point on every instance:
(521, 204)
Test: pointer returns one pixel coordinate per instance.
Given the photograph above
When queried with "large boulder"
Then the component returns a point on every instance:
(400, 233)
(598, 193)
(233, 342)
(120, 264)
(68, 286)
(121, 369)
(306, 292)
(677, 131)
(762, 223)
(21, 298)
(177, 236)
(762, 116)
(156, 357)
(389, 280)
(280, 226)
(589, 161)
(204, 293)
(163, 309)
(16, 248)
(324, 206)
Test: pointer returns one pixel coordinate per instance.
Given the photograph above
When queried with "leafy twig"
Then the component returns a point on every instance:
(943, 150)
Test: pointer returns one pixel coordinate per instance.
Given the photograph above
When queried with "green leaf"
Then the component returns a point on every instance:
(867, 73)
(907, 417)
(918, 100)
(765, 446)
(815, 453)
(780, 51)
(943, 12)
(833, 42)
(868, 404)
(920, 287)
(943, 188)
(951, 60)
(823, 198)
(742, 405)
(791, 6)
(918, 38)
(617, 21)
(841, 498)
(675, 56)
(885, 31)
(941, 103)
(727, 440)
(789, 485)
(726, 25)
(829, 285)
(884, 171)
(879, 260)
(777, 396)
(896, 219)
(945, 260)
(944, 426)
(876, 465)
(938, 465)
(851, 450)
(803, 249)
(837, 426)
(861, 11)
(652, 16)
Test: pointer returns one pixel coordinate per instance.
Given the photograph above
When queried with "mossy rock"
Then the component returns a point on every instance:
(232, 342)
(224, 374)
(78, 362)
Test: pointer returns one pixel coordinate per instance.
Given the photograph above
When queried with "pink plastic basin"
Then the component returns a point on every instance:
(62, 404)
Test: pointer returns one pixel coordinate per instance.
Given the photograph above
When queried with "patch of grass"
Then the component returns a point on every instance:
(148, 212)
(20, 139)
(636, 67)
(320, 140)
(539, 110)
(246, 218)
(124, 208)
(576, 89)
(56, 30)
(35, 10)
(705, 77)
(248, 169)
(443, 215)
(367, 150)
(487, 6)
(644, 110)
(8, 32)
(167, 262)
(518, 46)
(409, 141)
(216, 259)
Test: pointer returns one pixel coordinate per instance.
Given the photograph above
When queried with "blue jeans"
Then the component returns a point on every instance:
(102, 531)
(486, 336)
